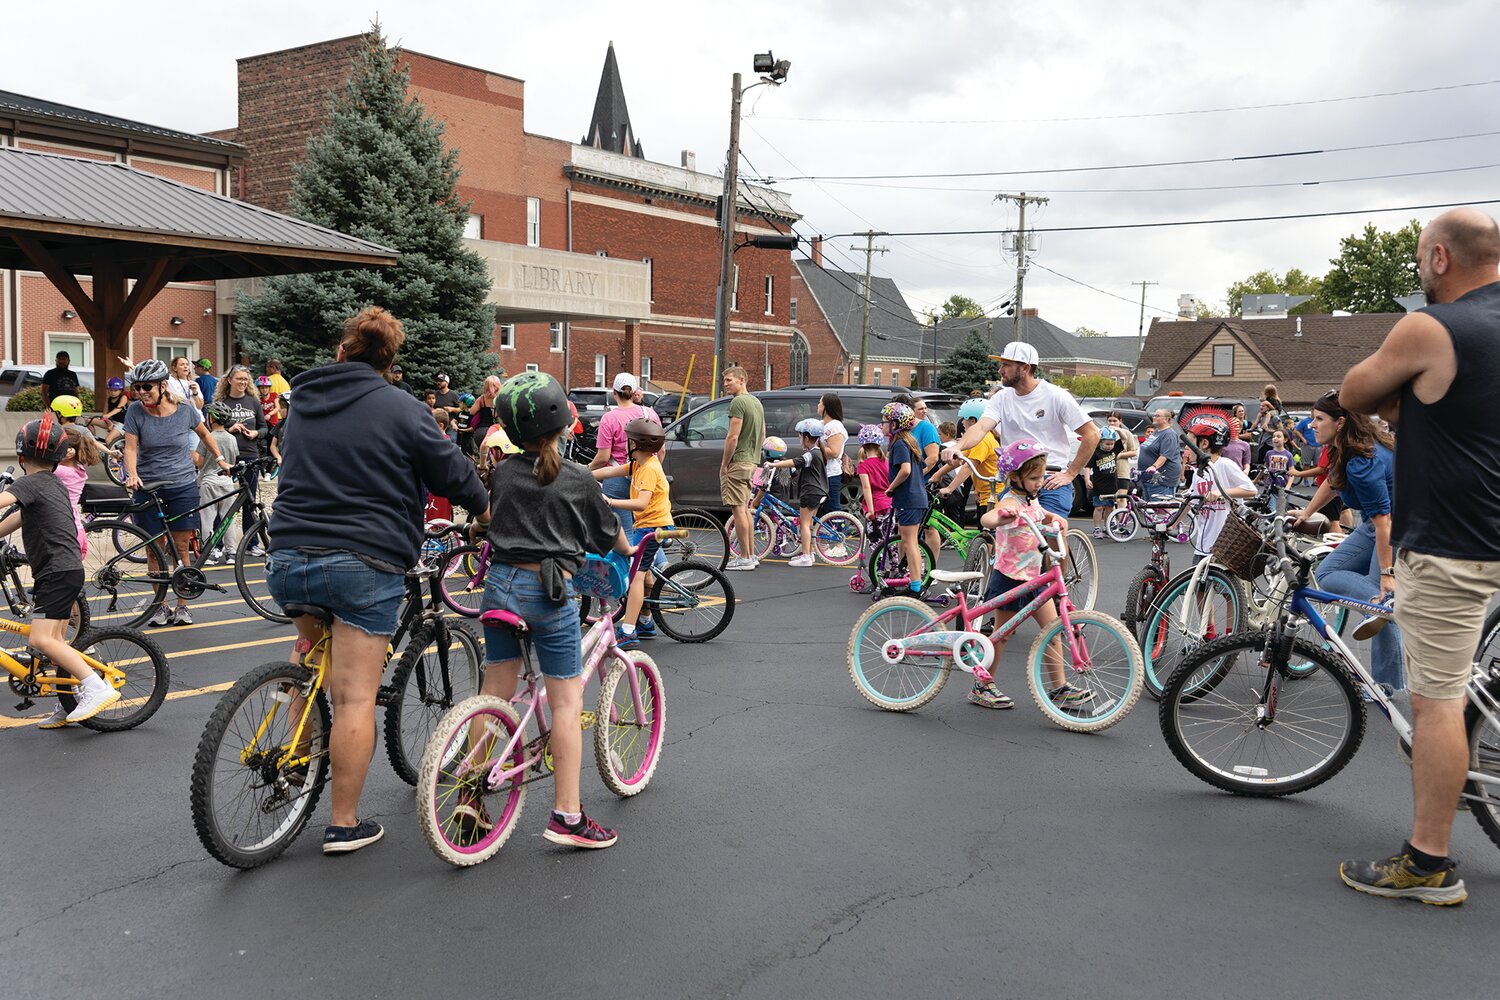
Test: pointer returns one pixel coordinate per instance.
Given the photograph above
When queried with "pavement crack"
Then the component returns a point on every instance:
(158, 873)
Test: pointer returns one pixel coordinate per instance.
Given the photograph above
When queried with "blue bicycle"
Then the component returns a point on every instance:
(837, 536)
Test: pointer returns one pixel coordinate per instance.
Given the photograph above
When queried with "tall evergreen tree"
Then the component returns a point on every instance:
(968, 367)
(380, 172)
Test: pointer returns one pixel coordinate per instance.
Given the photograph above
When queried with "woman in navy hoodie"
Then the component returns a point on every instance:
(346, 527)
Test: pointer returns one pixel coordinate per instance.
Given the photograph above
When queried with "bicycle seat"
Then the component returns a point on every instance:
(153, 487)
(509, 619)
(952, 576)
(298, 610)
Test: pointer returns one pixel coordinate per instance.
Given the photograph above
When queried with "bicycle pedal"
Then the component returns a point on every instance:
(587, 720)
(24, 705)
(384, 695)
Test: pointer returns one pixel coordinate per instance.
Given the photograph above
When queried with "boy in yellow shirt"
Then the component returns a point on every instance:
(986, 455)
(651, 502)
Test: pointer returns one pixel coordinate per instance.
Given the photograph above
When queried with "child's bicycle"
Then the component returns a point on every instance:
(837, 536)
(1163, 517)
(900, 655)
(482, 754)
(1134, 512)
(129, 661)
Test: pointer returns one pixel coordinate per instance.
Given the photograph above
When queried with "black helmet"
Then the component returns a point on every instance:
(532, 406)
(1213, 427)
(42, 440)
(645, 434)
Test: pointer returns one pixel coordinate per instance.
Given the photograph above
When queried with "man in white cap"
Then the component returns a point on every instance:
(1030, 407)
(614, 446)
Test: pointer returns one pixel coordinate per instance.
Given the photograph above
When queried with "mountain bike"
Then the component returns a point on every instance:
(836, 536)
(482, 754)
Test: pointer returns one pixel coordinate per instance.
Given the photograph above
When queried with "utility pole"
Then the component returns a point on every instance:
(1140, 334)
(1022, 199)
(870, 249)
(932, 376)
(729, 211)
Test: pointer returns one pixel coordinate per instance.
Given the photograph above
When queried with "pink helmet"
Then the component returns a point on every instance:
(1016, 454)
(900, 416)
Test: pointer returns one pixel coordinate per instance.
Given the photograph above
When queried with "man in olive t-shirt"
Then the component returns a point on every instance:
(742, 447)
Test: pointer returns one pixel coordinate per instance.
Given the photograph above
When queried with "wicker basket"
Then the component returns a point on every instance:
(1241, 549)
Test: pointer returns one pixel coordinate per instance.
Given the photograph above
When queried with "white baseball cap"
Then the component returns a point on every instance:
(625, 380)
(1021, 353)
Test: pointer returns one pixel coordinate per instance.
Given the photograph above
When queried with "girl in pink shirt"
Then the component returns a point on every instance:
(874, 475)
(83, 451)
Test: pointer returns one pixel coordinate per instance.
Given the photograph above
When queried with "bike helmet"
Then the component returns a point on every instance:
(872, 434)
(1215, 428)
(900, 416)
(532, 406)
(645, 434)
(1017, 454)
(498, 441)
(1108, 434)
(970, 409)
(115, 383)
(773, 446)
(67, 406)
(811, 426)
(150, 370)
(43, 440)
(264, 381)
(218, 410)
(467, 399)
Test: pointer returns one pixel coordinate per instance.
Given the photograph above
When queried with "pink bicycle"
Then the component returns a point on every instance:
(901, 650)
(482, 754)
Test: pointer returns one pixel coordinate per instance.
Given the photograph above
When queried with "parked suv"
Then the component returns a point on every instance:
(17, 377)
(695, 443)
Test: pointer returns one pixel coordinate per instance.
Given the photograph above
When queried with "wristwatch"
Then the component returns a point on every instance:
(1388, 571)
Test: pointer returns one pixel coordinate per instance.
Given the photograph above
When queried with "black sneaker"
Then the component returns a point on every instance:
(1398, 878)
(343, 839)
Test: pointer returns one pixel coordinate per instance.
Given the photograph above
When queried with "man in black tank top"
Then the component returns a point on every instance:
(1434, 379)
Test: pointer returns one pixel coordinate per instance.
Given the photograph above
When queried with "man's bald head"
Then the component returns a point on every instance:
(1471, 237)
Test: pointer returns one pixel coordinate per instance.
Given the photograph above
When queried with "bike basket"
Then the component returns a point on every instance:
(604, 578)
(104, 500)
(1241, 549)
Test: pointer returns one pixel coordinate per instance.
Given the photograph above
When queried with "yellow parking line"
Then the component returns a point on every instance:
(171, 696)
(195, 605)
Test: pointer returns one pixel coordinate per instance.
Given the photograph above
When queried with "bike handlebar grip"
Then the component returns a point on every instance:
(665, 533)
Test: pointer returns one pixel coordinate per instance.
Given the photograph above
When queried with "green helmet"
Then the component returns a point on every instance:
(531, 406)
(218, 411)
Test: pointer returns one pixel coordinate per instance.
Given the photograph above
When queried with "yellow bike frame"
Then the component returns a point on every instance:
(317, 660)
(52, 686)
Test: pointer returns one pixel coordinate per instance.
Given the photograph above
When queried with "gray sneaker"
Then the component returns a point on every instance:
(182, 616)
(163, 616)
(740, 563)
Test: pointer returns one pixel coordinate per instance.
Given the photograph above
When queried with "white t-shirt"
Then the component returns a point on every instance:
(833, 429)
(1047, 414)
(1212, 515)
(183, 388)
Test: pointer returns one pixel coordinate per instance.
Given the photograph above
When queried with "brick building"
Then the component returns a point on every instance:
(36, 321)
(600, 260)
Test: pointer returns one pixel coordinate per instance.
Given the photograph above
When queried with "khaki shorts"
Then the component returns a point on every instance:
(1440, 606)
(734, 488)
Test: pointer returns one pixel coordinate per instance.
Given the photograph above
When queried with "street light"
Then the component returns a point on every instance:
(772, 71)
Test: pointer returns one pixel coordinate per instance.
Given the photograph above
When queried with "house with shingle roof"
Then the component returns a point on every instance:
(1304, 356)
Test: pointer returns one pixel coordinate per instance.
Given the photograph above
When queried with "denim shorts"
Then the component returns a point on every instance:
(652, 557)
(359, 595)
(999, 584)
(553, 627)
(179, 501)
(908, 516)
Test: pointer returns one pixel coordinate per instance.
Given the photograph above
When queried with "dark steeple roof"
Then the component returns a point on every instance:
(610, 128)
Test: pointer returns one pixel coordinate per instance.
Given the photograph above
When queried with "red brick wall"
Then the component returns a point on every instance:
(42, 307)
(65, 150)
(205, 180)
(824, 350)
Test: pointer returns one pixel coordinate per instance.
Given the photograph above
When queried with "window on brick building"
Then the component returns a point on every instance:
(556, 331)
(533, 222)
(877, 377)
(770, 294)
(650, 279)
(80, 349)
(599, 369)
(793, 306)
(645, 369)
(164, 349)
(532, 368)
(800, 354)
(507, 336)
(895, 376)
(734, 291)
(474, 227)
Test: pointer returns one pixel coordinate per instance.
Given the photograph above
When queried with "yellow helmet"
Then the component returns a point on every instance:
(70, 407)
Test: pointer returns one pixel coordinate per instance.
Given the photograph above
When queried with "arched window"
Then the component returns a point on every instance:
(799, 359)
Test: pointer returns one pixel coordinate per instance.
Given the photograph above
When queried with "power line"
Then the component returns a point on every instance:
(1138, 115)
(1085, 284)
(1194, 222)
(1123, 166)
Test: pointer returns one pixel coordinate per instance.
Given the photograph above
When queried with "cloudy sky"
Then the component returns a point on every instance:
(887, 87)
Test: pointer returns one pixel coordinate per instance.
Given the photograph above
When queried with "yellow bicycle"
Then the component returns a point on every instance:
(129, 661)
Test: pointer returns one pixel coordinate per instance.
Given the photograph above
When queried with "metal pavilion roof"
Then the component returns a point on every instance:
(90, 213)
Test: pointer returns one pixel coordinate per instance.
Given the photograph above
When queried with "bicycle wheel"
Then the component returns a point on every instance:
(250, 796)
(1122, 524)
(462, 581)
(426, 683)
(1081, 570)
(707, 539)
(117, 582)
(1140, 598)
(1484, 758)
(250, 574)
(980, 559)
(887, 562)
(1183, 621)
(838, 538)
(462, 819)
(1218, 731)
(1107, 666)
(909, 682)
(114, 467)
(627, 741)
(691, 601)
(763, 528)
(146, 677)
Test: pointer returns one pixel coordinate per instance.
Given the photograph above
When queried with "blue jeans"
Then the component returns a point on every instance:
(833, 501)
(618, 488)
(1353, 570)
(553, 627)
(1160, 486)
(358, 594)
(1058, 501)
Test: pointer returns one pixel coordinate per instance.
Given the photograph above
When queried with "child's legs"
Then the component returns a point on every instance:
(565, 699)
(1053, 654)
(47, 639)
(910, 551)
(805, 517)
(634, 598)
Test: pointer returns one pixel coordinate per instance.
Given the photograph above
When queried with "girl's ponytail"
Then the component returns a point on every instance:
(548, 461)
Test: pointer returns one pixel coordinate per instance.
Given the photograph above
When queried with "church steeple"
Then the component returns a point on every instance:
(610, 128)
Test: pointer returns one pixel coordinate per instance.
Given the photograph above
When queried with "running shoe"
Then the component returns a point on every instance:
(585, 833)
(801, 561)
(182, 616)
(257, 551)
(56, 720)
(645, 628)
(344, 839)
(163, 616)
(624, 639)
(1098, 532)
(1399, 878)
(92, 700)
(989, 696)
(1069, 696)
(473, 819)
(739, 563)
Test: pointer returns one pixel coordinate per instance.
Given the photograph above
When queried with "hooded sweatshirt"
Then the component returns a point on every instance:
(357, 454)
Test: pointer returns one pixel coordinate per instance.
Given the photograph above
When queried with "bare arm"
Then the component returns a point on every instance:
(975, 434)
(1417, 350)
(731, 441)
(610, 472)
(637, 503)
(208, 441)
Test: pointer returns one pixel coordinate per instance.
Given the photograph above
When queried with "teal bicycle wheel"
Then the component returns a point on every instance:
(1181, 622)
(899, 684)
(1103, 680)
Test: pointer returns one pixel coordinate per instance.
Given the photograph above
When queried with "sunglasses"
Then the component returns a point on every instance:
(144, 387)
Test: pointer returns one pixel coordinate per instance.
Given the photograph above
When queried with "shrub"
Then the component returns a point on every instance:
(29, 400)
